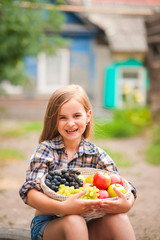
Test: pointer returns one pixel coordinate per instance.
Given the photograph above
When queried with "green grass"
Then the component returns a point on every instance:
(10, 154)
(20, 129)
(124, 123)
(118, 158)
(153, 150)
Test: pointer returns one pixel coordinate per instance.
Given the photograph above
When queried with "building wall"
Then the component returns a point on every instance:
(103, 59)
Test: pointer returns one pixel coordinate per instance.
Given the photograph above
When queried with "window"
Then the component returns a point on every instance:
(131, 87)
(53, 71)
(130, 74)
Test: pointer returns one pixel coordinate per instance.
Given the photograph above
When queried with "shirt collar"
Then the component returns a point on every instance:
(85, 146)
(57, 143)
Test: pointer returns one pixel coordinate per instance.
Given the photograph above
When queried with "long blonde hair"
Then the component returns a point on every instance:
(57, 99)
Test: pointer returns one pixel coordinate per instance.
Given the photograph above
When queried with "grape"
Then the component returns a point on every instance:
(78, 172)
(58, 178)
(49, 177)
(54, 188)
(68, 177)
(63, 180)
(92, 192)
(48, 183)
(63, 171)
(52, 173)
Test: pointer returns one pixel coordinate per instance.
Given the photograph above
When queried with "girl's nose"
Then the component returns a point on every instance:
(70, 122)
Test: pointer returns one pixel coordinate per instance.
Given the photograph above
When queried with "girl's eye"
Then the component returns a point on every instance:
(62, 117)
(77, 115)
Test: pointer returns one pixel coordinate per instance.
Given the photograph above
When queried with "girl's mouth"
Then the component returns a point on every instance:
(71, 131)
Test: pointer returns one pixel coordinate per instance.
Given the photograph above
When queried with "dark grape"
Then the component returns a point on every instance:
(63, 180)
(57, 183)
(57, 173)
(52, 173)
(54, 188)
(58, 178)
(49, 177)
(63, 171)
(78, 172)
(67, 184)
(72, 184)
(68, 177)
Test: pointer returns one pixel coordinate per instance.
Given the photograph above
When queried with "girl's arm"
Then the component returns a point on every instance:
(73, 205)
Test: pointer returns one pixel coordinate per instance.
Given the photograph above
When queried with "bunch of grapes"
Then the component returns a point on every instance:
(67, 177)
(92, 192)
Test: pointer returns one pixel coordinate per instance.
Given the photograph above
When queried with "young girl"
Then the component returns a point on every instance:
(63, 144)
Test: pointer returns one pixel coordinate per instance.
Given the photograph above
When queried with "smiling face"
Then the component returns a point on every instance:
(72, 120)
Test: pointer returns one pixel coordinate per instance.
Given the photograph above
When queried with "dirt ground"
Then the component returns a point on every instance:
(145, 214)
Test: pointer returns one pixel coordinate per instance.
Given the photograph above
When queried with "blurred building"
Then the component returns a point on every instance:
(105, 54)
(153, 62)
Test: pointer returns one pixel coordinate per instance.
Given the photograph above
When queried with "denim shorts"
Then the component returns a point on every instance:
(38, 225)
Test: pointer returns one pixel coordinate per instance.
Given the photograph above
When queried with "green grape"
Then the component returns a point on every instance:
(92, 192)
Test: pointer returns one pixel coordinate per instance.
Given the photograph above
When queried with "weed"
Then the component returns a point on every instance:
(118, 158)
(124, 123)
(2, 191)
(10, 154)
(21, 129)
(11, 223)
(153, 150)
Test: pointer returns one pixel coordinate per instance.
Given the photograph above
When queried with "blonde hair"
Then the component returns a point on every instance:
(57, 99)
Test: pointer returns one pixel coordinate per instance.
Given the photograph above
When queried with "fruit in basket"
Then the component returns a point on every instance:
(89, 179)
(86, 184)
(82, 177)
(111, 191)
(103, 194)
(101, 180)
(92, 192)
(116, 179)
(68, 177)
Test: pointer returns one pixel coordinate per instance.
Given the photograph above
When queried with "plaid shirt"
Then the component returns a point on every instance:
(52, 155)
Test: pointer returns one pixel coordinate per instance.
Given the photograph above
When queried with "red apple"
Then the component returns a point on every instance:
(116, 179)
(103, 194)
(101, 180)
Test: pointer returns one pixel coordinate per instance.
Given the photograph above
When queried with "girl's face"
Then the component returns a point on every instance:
(72, 120)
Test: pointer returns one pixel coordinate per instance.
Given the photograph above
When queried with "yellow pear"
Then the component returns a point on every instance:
(89, 179)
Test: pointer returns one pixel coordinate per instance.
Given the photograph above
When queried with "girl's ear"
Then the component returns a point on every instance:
(89, 115)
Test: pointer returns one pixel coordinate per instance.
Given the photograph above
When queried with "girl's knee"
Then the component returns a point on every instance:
(75, 221)
(115, 219)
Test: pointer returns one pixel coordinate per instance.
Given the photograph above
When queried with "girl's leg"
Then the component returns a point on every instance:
(111, 227)
(70, 227)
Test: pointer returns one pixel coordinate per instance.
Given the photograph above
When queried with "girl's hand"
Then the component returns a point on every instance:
(121, 205)
(75, 205)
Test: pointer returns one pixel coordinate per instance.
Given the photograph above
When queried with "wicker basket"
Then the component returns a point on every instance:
(86, 172)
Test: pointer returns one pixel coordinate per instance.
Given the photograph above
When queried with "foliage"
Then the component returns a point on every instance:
(153, 149)
(124, 123)
(24, 32)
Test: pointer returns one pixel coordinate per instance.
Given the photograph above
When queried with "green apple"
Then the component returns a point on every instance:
(112, 192)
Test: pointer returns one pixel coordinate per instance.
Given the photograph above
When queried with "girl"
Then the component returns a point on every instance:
(63, 144)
